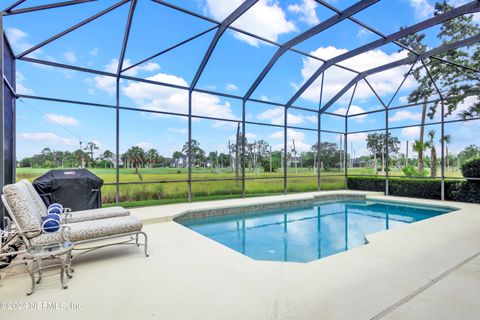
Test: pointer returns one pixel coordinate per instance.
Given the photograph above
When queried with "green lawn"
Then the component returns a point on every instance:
(132, 195)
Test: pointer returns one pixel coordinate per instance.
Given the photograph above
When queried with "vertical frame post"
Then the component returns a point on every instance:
(2, 112)
(189, 143)
(243, 147)
(117, 142)
(387, 154)
(442, 161)
(319, 137)
(285, 161)
(7, 114)
(345, 147)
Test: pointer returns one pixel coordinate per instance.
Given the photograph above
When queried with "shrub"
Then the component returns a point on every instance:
(455, 190)
(471, 169)
(366, 183)
(416, 188)
(411, 171)
(464, 191)
(403, 187)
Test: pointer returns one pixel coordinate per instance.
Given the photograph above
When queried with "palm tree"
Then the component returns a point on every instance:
(152, 157)
(90, 147)
(177, 155)
(136, 155)
(447, 139)
(108, 156)
(420, 147)
(433, 153)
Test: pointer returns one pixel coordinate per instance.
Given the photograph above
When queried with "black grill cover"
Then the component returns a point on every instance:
(78, 189)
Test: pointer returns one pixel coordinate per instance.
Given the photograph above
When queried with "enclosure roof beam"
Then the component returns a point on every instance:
(375, 93)
(471, 7)
(398, 63)
(221, 29)
(72, 28)
(217, 23)
(169, 49)
(44, 6)
(181, 9)
(398, 43)
(401, 84)
(350, 11)
(13, 6)
(432, 79)
(128, 26)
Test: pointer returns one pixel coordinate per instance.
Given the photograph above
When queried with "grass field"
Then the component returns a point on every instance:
(160, 191)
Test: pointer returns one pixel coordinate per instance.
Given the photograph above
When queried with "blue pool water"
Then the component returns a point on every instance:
(303, 234)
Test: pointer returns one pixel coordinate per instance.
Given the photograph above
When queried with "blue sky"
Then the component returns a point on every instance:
(234, 65)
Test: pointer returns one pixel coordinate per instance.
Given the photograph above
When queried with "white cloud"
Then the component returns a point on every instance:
(62, 120)
(250, 136)
(292, 135)
(357, 137)
(216, 124)
(456, 3)
(21, 89)
(422, 9)
(403, 99)
(145, 145)
(46, 137)
(112, 67)
(353, 110)
(17, 39)
(465, 105)
(336, 78)
(231, 87)
(108, 84)
(266, 19)
(307, 12)
(94, 52)
(161, 98)
(103, 83)
(264, 98)
(312, 119)
(70, 56)
(20, 86)
(300, 146)
(276, 116)
(148, 67)
(363, 33)
(179, 131)
(405, 115)
(411, 132)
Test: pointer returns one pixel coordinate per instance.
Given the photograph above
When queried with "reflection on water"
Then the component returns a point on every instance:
(303, 234)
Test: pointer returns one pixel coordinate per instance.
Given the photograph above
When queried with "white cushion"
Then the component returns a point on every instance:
(23, 208)
(91, 230)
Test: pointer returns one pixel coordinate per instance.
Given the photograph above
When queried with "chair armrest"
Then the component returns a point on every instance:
(66, 216)
(62, 230)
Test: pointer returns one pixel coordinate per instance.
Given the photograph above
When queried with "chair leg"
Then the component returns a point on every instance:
(146, 242)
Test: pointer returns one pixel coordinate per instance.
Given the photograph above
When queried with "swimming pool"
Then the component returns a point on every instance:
(307, 233)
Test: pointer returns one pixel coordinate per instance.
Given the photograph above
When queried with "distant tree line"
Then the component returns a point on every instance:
(258, 156)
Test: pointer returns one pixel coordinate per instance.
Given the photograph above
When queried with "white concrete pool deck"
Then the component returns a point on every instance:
(426, 270)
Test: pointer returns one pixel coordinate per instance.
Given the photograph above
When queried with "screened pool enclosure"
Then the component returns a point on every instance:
(187, 100)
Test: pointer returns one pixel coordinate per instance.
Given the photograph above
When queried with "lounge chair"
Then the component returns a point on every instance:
(76, 216)
(26, 215)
